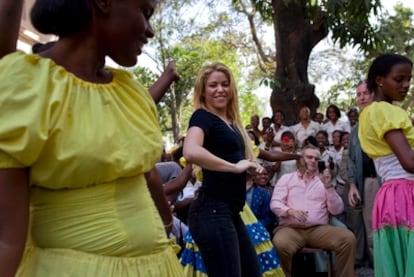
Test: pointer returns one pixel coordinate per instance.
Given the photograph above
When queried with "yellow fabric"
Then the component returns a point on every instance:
(88, 146)
(249, 218)
(256, 150)
(375, 121)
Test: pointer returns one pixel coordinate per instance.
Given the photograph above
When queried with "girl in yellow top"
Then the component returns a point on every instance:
(78, 141)
(387, 136)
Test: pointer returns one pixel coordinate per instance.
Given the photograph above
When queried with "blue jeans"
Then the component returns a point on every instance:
(222, 238)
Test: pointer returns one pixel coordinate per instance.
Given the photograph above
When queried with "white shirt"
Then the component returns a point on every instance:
(339, 125)
(278, 133)
(301, 133)
(389, 167)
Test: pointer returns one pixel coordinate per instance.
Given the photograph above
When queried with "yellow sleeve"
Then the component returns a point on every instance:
(375, 121)
(389, 117)
(23, 129)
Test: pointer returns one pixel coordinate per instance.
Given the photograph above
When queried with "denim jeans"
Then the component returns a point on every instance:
(222, 238)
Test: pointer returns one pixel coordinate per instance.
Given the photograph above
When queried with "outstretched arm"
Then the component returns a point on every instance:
(277, 156)
(174, 186)
(14, 217)
(10, 16)
(160, 87)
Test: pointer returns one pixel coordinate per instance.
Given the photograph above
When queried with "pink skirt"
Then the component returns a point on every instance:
(393, 226)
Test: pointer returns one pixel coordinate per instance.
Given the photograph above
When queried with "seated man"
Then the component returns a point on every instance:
(303, 201)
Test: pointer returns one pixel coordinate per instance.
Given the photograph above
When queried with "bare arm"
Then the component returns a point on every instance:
(14, 218)
(160, 87)
(275, 156)
(154, 183)
(10, 16)
(399, 145)
(174, 186)
(195, 153)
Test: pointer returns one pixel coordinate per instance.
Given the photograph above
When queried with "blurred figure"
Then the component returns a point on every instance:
(254, 124)
(352, 116)
(318, 118)
(266, 123)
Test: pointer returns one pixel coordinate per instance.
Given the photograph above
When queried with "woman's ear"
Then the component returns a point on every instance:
(379, 81)
(103, 5)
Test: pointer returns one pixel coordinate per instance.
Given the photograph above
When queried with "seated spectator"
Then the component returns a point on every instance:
(266, 123)
(352, 116)
(326, 155)
(311, 140)
(282, 167)
(258, 199)
(186, 196)
(252, 135)
(319, 118)
(334, 123)
(279, 128)
(306, 127)
(266, 145)
(254, 124)
(303, 202)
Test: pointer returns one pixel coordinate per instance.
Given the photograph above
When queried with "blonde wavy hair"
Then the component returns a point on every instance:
(232, 106)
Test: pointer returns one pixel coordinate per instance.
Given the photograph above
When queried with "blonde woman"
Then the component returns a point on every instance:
(218, 143)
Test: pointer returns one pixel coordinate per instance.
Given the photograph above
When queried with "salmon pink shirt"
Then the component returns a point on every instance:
(292, 192)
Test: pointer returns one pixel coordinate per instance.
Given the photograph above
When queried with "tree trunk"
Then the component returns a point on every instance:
(295, 39)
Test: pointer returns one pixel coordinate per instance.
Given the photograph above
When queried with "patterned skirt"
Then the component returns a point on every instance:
(266, 253)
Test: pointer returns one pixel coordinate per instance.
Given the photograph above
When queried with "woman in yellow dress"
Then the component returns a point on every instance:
(78, 144)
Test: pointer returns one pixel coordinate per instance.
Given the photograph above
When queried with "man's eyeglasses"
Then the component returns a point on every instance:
(309, 157)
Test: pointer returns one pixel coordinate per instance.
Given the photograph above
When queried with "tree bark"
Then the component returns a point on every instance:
(295, 38)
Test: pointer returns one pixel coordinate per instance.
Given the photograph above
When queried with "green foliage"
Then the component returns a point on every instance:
(270, 82)
(249, 103)
(397, 31)
(191, 42)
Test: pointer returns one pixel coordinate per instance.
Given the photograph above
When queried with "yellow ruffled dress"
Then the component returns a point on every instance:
(88, 146)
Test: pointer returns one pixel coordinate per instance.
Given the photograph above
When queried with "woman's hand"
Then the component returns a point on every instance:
(247, 165)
